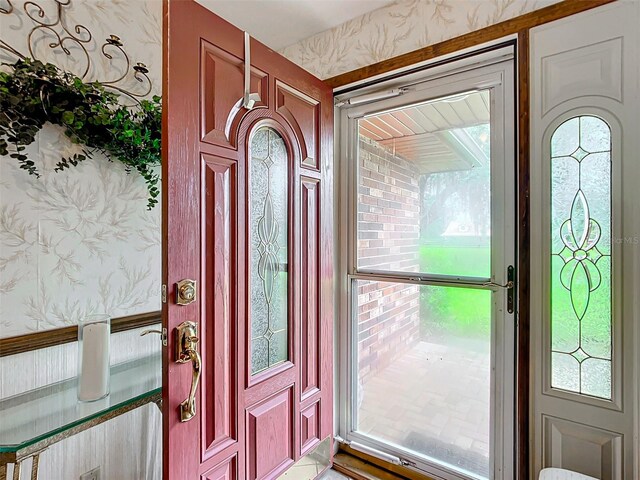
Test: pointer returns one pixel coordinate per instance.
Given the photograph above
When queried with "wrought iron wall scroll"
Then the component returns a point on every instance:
(52, 23)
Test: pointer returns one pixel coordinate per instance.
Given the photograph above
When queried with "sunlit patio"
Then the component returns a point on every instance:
(433, 399)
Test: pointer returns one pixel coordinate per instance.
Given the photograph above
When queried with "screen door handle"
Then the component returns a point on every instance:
(510, 286)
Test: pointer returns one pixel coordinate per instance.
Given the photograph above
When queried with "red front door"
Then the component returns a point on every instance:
(248, 215)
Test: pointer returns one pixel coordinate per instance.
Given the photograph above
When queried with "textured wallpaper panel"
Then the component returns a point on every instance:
(398, 28)
(79, 241)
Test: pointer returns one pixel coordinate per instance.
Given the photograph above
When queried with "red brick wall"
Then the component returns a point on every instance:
(389, 234)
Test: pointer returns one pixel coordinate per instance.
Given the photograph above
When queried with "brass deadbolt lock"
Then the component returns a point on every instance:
(185, 292)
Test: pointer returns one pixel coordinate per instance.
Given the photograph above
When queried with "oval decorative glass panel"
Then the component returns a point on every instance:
(581, 340)
(268, 220)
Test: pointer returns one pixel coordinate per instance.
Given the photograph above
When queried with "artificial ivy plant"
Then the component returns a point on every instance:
(33, 93)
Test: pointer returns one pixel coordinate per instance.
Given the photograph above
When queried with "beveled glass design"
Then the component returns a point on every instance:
(268, 249)
(581, 341)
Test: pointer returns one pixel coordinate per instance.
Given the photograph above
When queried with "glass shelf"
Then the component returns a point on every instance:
(41, 417)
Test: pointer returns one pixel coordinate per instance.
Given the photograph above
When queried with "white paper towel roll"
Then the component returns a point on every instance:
(94, 365)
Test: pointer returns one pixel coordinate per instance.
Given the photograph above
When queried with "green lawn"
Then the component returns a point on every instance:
(467, 312)
(455, 311)
(470, 261)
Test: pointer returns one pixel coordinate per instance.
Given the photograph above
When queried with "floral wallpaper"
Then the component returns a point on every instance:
(398, 28)
(79, 241)
(82, 241)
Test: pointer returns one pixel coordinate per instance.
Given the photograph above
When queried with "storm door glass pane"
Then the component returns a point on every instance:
(424, 371)
(424, 188)
(268, 249)
(581, 257)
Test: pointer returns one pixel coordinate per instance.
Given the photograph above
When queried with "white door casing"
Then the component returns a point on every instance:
(588, 65)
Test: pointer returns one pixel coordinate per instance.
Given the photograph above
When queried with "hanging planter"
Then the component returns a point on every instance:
(33, 93)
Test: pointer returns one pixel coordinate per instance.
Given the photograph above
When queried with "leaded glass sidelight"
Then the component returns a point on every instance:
(581, 341)
(268, 249)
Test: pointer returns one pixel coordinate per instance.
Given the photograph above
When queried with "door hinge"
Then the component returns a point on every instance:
(164, 293)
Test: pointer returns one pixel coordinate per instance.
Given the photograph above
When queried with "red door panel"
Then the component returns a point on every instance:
(303, 113)
(223, 70)
(270, 436)
(310, 263)
(219, 316)
(250, 422)
(310, 427)
(227, 470)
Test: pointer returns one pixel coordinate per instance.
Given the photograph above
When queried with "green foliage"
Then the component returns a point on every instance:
(33, 93)
(467, 312)
(463, 312)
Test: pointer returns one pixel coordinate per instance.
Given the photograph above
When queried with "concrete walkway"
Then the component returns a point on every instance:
(434, 400)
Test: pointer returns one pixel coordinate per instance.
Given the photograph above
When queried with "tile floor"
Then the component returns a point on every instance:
(300, 471)
(333, 475)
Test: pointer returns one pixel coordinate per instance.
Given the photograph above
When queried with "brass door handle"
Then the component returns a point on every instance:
(186, 345)
(188, 407)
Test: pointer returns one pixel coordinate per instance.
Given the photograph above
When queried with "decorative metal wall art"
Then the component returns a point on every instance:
(51, 24)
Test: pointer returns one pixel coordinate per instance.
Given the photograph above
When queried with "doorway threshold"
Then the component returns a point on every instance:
(364, 468)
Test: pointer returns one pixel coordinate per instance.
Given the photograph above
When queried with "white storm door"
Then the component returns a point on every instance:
(428, 338)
